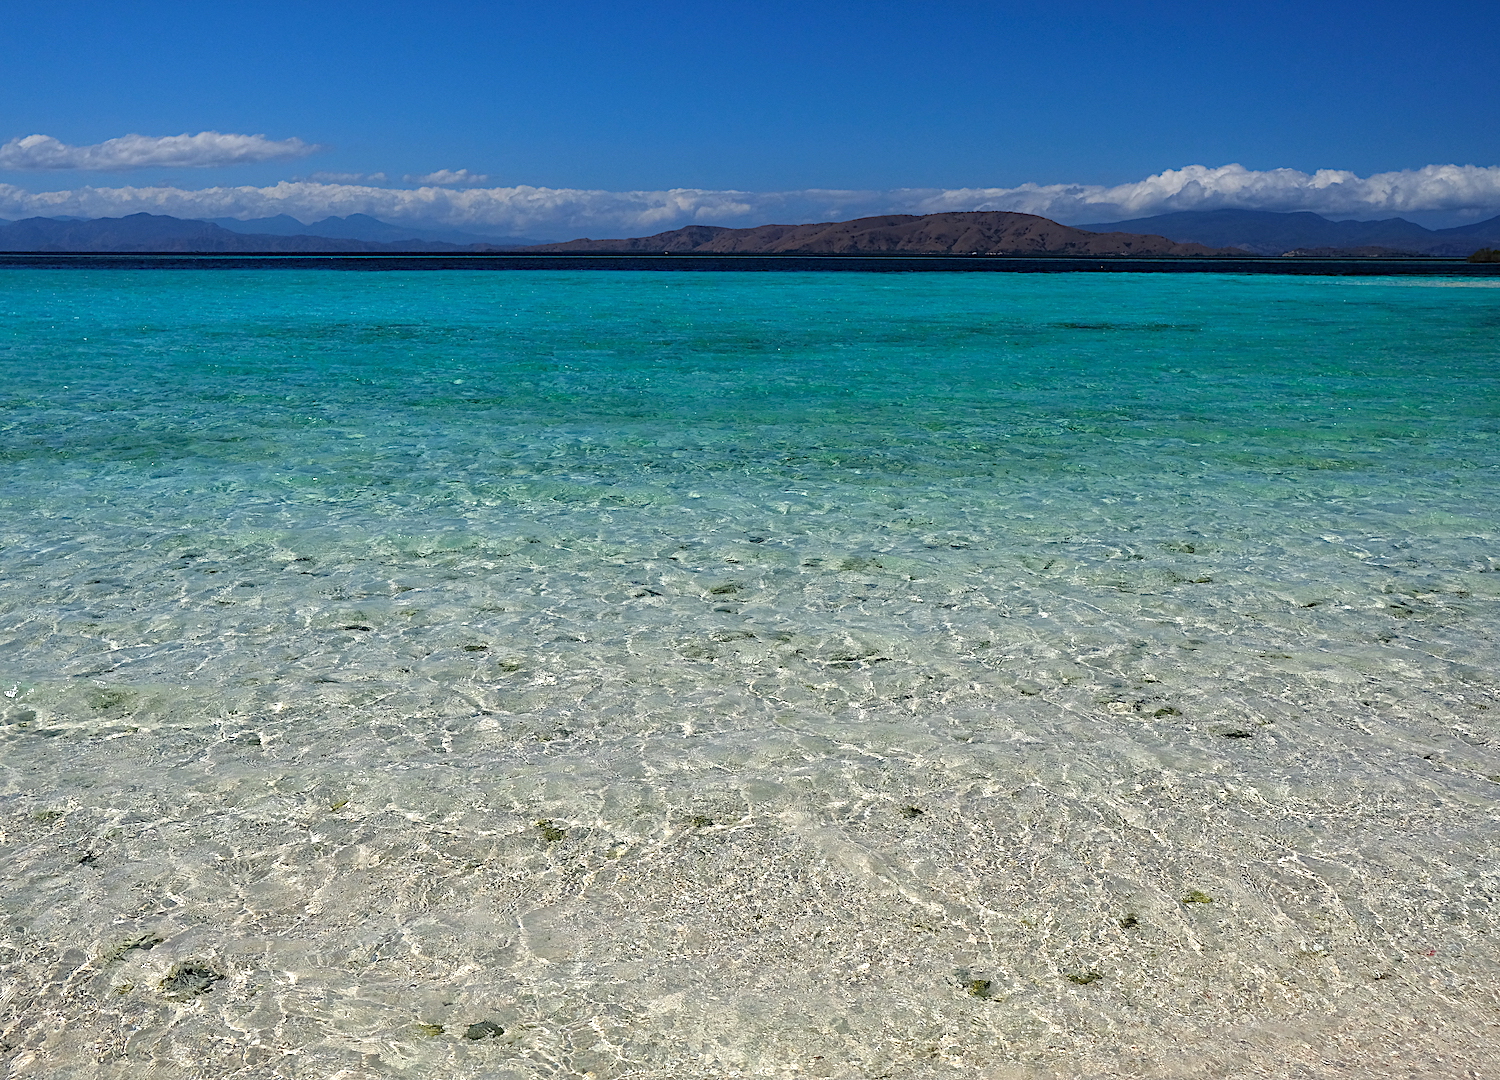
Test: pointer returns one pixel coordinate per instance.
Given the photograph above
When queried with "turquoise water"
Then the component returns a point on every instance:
(747, 674)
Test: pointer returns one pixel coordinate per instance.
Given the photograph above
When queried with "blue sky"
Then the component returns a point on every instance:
(764, 97)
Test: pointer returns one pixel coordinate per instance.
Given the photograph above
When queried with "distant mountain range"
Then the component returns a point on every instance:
(156, 232)
(365, 227)
(1185, 234)
(1263, 232)
(959, 233)
(981, 232)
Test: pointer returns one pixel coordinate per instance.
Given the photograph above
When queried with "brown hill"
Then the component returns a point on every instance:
(984, 232)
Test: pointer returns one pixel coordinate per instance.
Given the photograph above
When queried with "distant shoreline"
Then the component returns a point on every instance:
(1420, 266)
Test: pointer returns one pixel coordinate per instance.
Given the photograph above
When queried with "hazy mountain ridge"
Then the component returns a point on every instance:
(1178, 235)
(1266, 232)
(972, 232)
(157, 232)
(365, 227)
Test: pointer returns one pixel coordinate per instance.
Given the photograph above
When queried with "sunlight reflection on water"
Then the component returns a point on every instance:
(746, 675)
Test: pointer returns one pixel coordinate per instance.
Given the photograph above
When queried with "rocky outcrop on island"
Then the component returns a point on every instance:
(984, 232)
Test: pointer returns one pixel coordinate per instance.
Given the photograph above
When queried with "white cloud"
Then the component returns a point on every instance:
(448, 178)
(1198, 187)
(569, 212)
(549, 211)
(203, 150)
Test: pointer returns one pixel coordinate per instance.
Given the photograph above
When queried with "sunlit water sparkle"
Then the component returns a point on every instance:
(747, 675)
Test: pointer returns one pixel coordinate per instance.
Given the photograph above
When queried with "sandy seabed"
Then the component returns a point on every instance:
(513, 678)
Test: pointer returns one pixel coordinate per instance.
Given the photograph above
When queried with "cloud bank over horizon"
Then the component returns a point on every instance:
(567, 212)
(207, 149)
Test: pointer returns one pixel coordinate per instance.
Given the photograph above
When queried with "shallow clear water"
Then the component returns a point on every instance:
(747, 675)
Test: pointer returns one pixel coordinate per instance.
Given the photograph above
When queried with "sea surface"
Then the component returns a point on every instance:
(465, 674)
